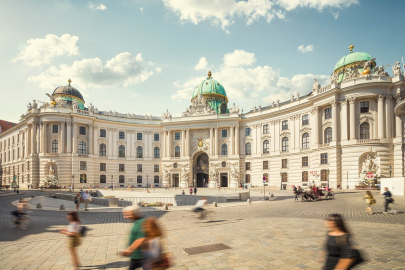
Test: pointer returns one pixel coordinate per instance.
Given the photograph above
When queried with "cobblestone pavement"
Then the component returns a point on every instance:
(280, 234)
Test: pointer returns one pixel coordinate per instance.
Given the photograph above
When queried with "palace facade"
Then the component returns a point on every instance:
(333, 136)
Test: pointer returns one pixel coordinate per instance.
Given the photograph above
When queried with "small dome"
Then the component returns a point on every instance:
(352, 57)
(209, 86)
(68, 90)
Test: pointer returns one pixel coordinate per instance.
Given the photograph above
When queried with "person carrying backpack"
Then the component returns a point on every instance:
(388, 199)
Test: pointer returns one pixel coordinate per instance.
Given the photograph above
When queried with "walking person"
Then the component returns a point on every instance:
(195, 190)
(136, 237)
(340, 254)
(388, 199)
(77, 199)
(73, 233)
(191, 191)
(153, 246)
(86, 198)
(369, 201)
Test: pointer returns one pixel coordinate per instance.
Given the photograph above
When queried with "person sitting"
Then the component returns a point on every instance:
(300, 189)
(200, 205)
(294, 189)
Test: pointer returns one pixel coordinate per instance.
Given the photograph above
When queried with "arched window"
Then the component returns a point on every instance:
(224, 150)
(248, 149)
(102, 150)
(284, 144)
(55, 146)
(139, 152)
(364, 131)
(177, 151)
(266, 147)
(82, 148)
(305, 140)
(156, 152)
(328, 135)
(121, 151)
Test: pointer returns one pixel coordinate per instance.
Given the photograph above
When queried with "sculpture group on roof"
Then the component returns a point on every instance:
(199, 106)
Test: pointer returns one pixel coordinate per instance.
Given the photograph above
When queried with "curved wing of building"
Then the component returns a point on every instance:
(333, 136)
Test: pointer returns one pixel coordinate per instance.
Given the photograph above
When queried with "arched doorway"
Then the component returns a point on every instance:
(201, 169)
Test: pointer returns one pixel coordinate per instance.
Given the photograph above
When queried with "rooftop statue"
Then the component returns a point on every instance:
(34, 104)
(316, 86)
(29, 107)
(380, 71)
(234, 109)
(53, 102)
(166, 115)
(333, 77)
(368, 65)
(396, 69)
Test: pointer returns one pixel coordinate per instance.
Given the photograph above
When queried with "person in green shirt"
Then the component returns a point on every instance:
(136, 237)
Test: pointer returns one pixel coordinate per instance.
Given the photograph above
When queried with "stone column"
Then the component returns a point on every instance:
(147, 144)
(277, 141)
(91, 133)
(188, 142)
(29, 138)
(398, 127)
(133, 140)
(69, 137)
(38, 138)
(352, 102)
(62, 137)
(114, 142)
(291, 126)
(237, 143)
(343, 121)
(334, 120)
(128, 135)
(381, 116)
(95, 143)
(216, 140)
(183, 143)
(258, 136)
(231, 141)
(389, 113)
(211, 141)
(163, 145)
(315, 126)
(254, 137)
(169, 143)
(74, 138)
(26, 142)
(42, 137)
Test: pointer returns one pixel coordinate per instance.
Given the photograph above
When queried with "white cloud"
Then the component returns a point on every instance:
(141, 9)
(158, 69)
(202, 64)
(101, 6)
(335, 15)
(239, 58)
(305, 49)
(316, 4)
(41, 51)
(253, 84)
(122, 70)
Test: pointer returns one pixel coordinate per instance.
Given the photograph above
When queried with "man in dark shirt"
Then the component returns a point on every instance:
(387, 195)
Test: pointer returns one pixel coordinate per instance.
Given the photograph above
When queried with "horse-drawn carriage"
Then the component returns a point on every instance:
(313, 194)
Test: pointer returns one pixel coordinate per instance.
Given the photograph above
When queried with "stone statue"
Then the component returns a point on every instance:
(29, 107)
(259, 108)
(333, 77)
(278, 102)
(184, 173)
(369, 165)
(316, 86)
(95, 110)
(368, 65)
(166, 174)
(380, 71)
(34, 104)
(91, 107)
(75, 104)
(396, 69)
(52, 102)
(273, 104)
(351, 73)
(234, 172)
(234, 109)
(213, 174)
(166, 115)
(292, 97)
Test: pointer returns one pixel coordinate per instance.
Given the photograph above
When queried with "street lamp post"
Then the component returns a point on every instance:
(281, 181)
(328, 171)
(390, 170)
(112, 183)
(73, 182)
(242, 183)
(13, 185)
(147, 181)
(18, 182)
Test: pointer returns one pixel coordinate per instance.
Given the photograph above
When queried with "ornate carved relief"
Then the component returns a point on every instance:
(199, 106)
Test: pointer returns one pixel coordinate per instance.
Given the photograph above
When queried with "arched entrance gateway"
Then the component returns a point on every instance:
(200, 170)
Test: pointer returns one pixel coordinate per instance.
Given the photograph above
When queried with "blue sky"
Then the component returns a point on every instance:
(146, 56)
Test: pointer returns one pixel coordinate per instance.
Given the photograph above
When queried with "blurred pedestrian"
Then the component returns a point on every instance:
(195, 190)
(183, 193)
(153, 246)
(73, 233)
(191, 191)
(86, 198)
(369, 201)
(77, 199)
(340, 254)
(136, 237)
(388, 199)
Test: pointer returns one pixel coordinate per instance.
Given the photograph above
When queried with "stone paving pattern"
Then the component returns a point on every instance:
(280, 234)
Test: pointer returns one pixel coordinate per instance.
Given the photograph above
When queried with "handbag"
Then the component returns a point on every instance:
(164, 263)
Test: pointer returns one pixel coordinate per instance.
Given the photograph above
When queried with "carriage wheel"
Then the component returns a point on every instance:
(332, 195)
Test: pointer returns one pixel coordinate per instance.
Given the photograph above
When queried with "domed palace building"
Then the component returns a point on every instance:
(334, 136)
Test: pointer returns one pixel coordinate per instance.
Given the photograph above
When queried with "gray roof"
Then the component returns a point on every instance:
(68, 90)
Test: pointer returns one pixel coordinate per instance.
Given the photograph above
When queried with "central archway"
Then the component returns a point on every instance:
(201, 170)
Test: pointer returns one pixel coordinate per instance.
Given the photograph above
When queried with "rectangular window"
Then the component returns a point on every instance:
(247, 166)
(156, 137)
(284, 163)
(284, 177)
(103, 179)
(82, 130)
(139, 136)
(156, 179)
(139, 179)
(248, 132)
(103, 133)
(28, 165)
(156, 168)
(364, 107)
(103, 167)
(55, 128)
(324, 175)
(284, 125)
(324, 158)
(304, 161)
(121, 179)
(265, 129)
(265, 165)
(305, 119)
(247, 178)
(328, 113)
(224, 133)
(121, 135)
(83, 165)
(304, 176)
(139, 167)
(121, 167)
(177, 136)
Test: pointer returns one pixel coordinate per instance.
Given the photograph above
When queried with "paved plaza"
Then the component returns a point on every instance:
(280, 234)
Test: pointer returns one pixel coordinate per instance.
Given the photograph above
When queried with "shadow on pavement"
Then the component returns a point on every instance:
(112, 265)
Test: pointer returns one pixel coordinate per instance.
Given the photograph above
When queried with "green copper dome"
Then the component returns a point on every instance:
(352, 57)
(209, 86)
